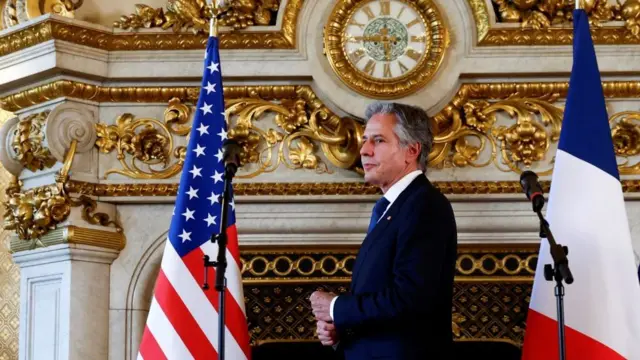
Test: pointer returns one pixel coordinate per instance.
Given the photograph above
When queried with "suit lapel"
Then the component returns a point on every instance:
(374, 236)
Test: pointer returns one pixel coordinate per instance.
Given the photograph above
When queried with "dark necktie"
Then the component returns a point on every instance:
(378, 210)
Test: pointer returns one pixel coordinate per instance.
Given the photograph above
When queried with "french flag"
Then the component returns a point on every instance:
(586, 213)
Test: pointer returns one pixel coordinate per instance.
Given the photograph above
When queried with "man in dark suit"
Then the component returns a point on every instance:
(400, 303)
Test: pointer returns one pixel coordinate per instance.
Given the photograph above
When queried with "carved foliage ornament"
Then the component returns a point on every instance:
(302, 120)
(469, 133)
(52, 29)
(28, 143)
(35, 212)
(196, 14)
(148, 141)
(548, 22)
(19, 11)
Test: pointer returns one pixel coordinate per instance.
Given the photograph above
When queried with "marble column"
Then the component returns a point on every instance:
(64, 292)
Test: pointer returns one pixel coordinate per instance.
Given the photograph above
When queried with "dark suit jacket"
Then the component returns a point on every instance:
(400, 302)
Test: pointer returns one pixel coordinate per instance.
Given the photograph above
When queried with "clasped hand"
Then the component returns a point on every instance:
(321, 306)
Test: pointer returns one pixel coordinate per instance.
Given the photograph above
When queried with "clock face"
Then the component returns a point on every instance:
(385, 48)
(385, 39)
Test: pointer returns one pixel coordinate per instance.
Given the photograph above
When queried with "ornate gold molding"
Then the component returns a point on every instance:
(52, 29)
(28, 143)
(151, 145)
(14, 12)
(299, 114)
(195, 15)
(468, 132)
(535, 123)
(549, 22)
(73, 235)
(37, 211)
(312, 189)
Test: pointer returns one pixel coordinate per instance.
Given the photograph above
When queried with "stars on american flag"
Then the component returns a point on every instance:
(198, 205)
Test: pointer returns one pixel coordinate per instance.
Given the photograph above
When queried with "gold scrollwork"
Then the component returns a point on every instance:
(301, 118)
(626, 139)
(89, 205)
(544, 22)
(196, 14)
(520, 145)
(300, 115)
(148, 141)
(28, 143)
(469, 123)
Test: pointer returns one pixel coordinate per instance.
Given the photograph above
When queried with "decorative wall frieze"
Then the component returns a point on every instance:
(312, 189)
(195, 15)
(509, 126)
(14, 12)
(97, 37)
(491, 292)
(303, 125)
(549, 22)
(471, 134)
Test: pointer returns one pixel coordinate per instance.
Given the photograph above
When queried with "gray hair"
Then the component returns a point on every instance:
(413, 126)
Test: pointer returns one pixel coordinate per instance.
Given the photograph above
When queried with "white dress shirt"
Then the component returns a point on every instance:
(391, 195)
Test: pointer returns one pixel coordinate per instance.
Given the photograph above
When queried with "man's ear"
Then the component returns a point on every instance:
(413, 150)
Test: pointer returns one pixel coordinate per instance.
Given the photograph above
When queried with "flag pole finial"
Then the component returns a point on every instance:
(213, 23)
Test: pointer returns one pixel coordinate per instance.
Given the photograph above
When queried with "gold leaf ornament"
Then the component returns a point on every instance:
(626, 140)
(148, 141)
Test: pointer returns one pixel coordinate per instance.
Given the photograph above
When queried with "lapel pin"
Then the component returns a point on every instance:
(389, 217)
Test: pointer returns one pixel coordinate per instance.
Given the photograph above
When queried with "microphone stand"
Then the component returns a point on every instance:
(558, 272)
(221, 262)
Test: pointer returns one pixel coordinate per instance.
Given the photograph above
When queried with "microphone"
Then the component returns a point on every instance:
(531, 187)
(231, 156)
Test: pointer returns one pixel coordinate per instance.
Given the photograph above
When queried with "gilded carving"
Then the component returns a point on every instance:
(468, 133)
(37, 211)
(195, 15)
(19, 11)
(467, 130)
(626, 139)
(52, 29)
(149, 141)
(301, 117)
(34, 212)
(544, 22)
(28, 143)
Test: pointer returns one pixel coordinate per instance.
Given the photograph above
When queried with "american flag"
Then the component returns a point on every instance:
(183, 318)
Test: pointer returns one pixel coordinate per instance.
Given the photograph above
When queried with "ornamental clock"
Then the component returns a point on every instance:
(385, 48)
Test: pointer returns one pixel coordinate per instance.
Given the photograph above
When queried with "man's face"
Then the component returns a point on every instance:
(383, 159)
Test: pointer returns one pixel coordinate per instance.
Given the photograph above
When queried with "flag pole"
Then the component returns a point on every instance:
(578, 4)
(213, 23)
